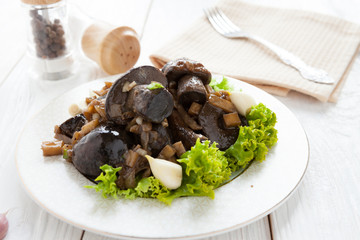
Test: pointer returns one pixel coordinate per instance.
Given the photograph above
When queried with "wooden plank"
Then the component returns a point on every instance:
(22, 97)
(326, 205)
(115, 12)
(166, 20)
(26, 219)
(13, 36)
(250, 232)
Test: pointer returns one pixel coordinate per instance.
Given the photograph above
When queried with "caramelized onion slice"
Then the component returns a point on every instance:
(51, 148)
(224, 104)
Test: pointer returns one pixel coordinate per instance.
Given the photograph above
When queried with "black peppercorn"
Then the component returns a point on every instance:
(48, 36)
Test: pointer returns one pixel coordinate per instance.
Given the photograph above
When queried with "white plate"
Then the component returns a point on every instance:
(58, 187)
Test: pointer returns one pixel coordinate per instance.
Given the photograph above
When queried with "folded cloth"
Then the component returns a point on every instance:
(321, 41)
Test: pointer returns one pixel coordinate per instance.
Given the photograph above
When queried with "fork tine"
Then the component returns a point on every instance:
(214, 22)
(226, 21)
(221, 22)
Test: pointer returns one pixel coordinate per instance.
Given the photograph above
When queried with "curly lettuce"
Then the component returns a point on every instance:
(223, 85)
(106, 179)
(146, 188)
(205, 167)
(254, 141)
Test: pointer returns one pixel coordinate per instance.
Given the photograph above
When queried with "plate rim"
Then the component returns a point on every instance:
(195, 236)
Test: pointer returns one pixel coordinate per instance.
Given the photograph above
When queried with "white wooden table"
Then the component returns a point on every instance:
(325, 206)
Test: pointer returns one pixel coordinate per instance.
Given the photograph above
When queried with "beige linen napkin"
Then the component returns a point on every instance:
(322, 41)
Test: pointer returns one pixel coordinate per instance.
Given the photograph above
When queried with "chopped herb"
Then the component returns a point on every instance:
(65, 154)
(155, 85)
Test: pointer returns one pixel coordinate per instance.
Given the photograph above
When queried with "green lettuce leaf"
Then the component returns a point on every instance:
(254, 140)
(204, 167)
(262, 113)
(206, 162)
(146, 187)
(151, 187)
(107, 185)
(223, 85)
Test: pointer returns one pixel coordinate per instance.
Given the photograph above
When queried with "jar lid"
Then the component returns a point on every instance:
(40, 2)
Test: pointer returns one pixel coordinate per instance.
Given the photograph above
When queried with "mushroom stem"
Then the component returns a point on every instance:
(191, 89)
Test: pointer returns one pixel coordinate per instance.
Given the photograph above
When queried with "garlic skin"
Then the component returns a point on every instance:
(168, 173)
(74, 109)
(4, 226)
(242, 102)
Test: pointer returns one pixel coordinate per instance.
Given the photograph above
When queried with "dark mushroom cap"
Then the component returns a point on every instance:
(72, 125)
(104, 145)
(176, 69)
(116, 98)
(153, 105)
(211, 121)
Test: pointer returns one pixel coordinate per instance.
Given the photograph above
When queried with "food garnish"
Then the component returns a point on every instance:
(154, 85)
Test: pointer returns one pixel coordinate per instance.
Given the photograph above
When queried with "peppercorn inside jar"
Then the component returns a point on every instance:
(49, 43)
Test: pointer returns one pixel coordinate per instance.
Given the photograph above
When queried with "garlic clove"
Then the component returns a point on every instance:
(242, 102)
(4, 226)
(168, 173)
(74, 109)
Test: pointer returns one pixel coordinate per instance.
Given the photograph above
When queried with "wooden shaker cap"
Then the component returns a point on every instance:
(40, 2)
(116, 50)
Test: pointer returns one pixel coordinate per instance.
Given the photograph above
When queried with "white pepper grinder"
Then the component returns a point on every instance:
(49, 41)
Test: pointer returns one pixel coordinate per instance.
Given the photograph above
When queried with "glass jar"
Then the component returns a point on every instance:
(49, 41)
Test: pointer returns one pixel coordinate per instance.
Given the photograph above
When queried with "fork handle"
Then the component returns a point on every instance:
(310, 73)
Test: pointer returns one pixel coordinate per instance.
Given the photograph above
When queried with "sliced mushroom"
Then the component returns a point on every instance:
(104, 145)
(116, 98)
(72, 125)
(191, 89)
(127, 175)
(180, 132)
(174, 70)
(67, 129)
(159, 137)
(153, 105)
(211, 120)
(190, 122)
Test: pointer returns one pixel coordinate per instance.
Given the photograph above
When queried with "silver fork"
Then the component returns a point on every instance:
(225, 27)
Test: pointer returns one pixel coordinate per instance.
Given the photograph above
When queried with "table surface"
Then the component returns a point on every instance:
(325, 206)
